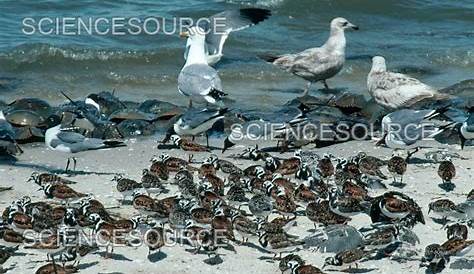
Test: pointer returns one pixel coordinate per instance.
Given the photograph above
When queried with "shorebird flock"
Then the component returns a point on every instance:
(216, 204)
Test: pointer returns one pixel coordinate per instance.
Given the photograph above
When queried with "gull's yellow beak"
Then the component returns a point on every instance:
(184, 34)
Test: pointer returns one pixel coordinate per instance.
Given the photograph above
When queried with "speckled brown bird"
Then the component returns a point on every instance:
(283, 265)
(220, 222)
(300, 268)
(447, 171)
(347, 257)
(304, 194)
(243, 226)
(224, 165)
(173, 164)
(10, 238)
(320, 213)
(207, 169)
(126, 186)
(188, 145)
(285, 204)
(394, 205)
(61, 192)
(290, 165)
(52, 268)
(48, 178)
(397, 166)
(216, 182)
(150, 182)
(155, 239)
(456, 231)
(277, 243)
(149, 206)
(160, 169)
(325, 166)
(370, 165)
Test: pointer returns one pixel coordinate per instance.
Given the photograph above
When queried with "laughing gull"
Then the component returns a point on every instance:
(317, 64)
(395, 90)
(8, 144)
(65, 140)
(197, 79)
(194, 122)
(466, 129)
(403, 128)
(220, 25)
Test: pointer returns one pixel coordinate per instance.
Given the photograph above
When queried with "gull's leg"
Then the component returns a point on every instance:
(207, 139)
(75, 162)
(190, 103)
(325, 84)
(67, 165)
(306, 90)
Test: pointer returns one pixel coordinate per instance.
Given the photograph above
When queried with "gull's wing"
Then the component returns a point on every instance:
(399, 89)
(70, 137)
(194, 118)
(198, 79)
(223, 23)
(305, 63)
(470, 123)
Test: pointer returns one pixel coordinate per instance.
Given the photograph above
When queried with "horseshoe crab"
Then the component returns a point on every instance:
(38, 106)
(107, 102)
(163, 110)
(134, 128)
(349, 103)
(132, 114)
(26, 124)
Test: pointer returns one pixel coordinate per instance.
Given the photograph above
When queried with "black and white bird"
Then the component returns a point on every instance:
(195, 122)
(65, 140)
(197, 80)
(220, 25)
(466, 129)
(8, 144)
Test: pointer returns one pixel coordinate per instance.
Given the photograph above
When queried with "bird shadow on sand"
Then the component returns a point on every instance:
(157, 256)
(254, 246)
(87, 265)
(116, 257)
(52, 169)
(215, 260)
(353, 270)
(420, 161)
(169, 146)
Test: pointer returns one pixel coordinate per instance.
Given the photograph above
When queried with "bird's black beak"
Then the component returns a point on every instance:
(227, 144)
(381, 142)
(355, 27)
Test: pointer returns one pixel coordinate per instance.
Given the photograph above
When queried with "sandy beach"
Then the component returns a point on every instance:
(95, 169)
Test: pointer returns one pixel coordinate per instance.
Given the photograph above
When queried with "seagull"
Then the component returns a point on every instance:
(317, 64)
(8, 144)
(195, 121)
(197, 79)
(220, 25)
(395, 90)
(403, 128)
(65, 140)
(466, 129)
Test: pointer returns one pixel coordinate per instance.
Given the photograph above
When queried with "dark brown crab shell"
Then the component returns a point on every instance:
(35, 105)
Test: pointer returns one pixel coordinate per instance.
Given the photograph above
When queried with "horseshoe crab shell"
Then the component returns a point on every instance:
(132, 114)
(163, 110)
(38, 106)
(24, 118)
(134, 128)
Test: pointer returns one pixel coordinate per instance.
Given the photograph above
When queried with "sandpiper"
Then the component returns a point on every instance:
(447, 171)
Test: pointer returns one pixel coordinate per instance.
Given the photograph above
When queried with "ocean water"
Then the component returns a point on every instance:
(432, 40)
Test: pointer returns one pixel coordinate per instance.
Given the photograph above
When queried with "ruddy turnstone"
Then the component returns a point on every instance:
(261, 206)
(290, 165)
(344, 205)
(447, 171)
(56, 269)
(456, 231)
(76, 253)
(277, 225)
(188, 145)
(272, 163)
(207, 168)
(397, 206)
(216, 182)
(224, 165)
(277, 243)
(10, 238)
(325, 166)
(347, 257)
(51, 244)
(61, 192)
(444, 209)
(283, 265)
(173, 164)
(149, 206)
(220, 222)
(303, 194)
(235, 196)
(304, 172)
(48, 178)
(284, 204)
(301, 268)
(159, 168)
